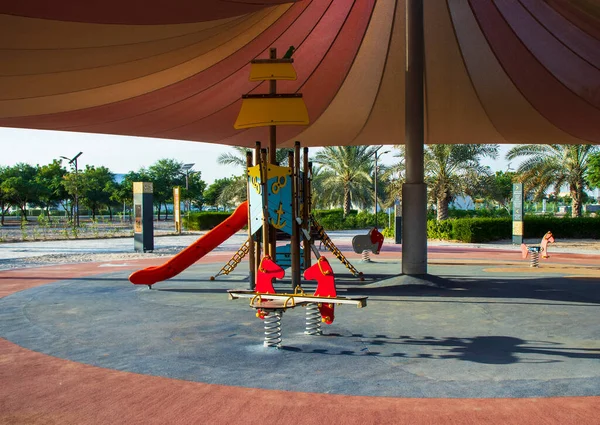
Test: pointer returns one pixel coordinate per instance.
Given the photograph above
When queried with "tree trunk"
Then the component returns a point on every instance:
(65, 206)
(442, 207)
(347, 203)
(110, 214)
(576, 200)
(3, 212)
(166, 212)
(23, 209)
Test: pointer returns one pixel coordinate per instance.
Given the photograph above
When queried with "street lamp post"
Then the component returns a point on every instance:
(73, 162)
(187, 168)
(376, 155)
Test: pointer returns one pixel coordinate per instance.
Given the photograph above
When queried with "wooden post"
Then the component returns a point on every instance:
(294, 244)
(258, 243)
(265, 196)
(273, 155)
(296, 206)
(305, 209)
(272, 128)
(251, 258)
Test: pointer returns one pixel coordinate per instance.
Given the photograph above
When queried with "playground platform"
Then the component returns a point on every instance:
(483, 338)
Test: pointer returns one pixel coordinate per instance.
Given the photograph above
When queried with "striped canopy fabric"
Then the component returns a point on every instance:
(496, 71)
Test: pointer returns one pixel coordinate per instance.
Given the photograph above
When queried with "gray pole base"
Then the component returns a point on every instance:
(414, 227)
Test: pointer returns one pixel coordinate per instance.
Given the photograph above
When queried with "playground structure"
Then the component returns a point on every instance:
(278, 200)
(535, 250)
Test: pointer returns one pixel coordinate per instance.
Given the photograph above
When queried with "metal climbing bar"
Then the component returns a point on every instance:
(235, 260)
(332, 248)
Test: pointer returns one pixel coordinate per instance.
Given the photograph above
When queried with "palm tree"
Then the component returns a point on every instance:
(549, 166)
(452, 170)
(395, 175)
(238, 157)
(345, 175)
(233, 193)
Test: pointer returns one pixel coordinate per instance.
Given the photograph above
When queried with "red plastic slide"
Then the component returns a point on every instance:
(206, 243)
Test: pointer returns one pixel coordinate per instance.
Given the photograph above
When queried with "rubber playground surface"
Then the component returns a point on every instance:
(483, 338)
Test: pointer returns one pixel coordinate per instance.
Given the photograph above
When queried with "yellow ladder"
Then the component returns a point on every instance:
(334, 249)
(235, 260)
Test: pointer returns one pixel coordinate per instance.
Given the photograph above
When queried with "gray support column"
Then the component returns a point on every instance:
(414, 191)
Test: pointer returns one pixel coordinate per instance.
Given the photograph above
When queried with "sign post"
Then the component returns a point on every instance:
(143, 226)
(177, 209)
(398, 223)
(517, 232)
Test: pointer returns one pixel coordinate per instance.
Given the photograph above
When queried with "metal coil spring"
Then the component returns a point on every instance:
(313, 319)
(365, 256)
(273, 330)
(535, 259)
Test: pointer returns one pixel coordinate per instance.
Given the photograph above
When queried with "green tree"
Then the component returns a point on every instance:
(165, 174)
(593, 173)
(122, 192)
(52, 191)
(345, 175)
(395, 176)
(452, 170)
(213, 192)
(73, 184)
(19, 186)
(498, 187)
(322, 201)
(195, 191)
(234, 192)
(96, 187)
(552, 166)
(4, 198)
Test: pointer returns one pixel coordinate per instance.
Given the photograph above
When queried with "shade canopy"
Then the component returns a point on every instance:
(497, 71)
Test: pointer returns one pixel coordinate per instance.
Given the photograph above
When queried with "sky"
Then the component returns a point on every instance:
(121, 154)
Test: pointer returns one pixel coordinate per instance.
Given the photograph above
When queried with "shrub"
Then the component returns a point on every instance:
(481, 229)
(490, 229)
(439, 229)
(365, 220)
(204, 220)
(565, 227)
(330, 222)
(335, 220)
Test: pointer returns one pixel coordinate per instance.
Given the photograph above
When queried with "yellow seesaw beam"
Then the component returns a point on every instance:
(297, 299)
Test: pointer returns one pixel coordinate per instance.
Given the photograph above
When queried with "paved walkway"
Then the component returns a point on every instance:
(482, 338)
